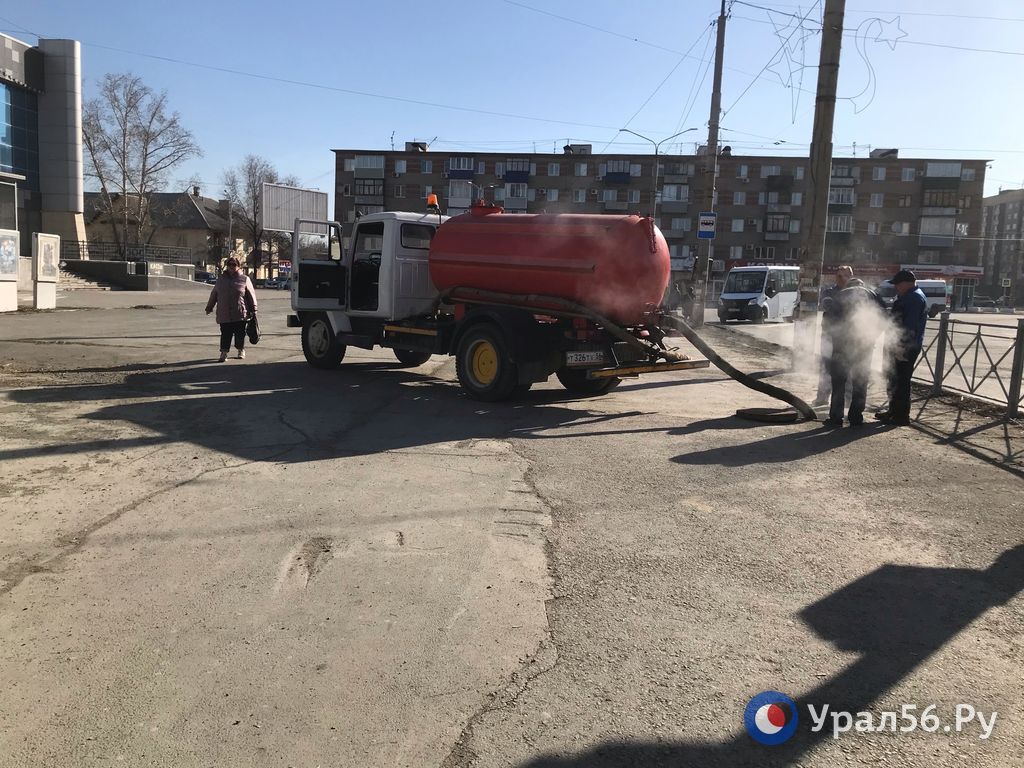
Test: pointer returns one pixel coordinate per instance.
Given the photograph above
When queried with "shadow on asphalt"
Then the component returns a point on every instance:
(289, 412)
(895, 617)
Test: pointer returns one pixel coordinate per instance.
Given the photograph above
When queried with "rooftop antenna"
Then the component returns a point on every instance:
(392, 141)
(855, 149)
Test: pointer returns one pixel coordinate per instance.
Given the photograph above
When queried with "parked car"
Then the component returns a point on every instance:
(270, 282)
(211, 280)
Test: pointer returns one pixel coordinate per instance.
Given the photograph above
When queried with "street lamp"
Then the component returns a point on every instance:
(657, 146)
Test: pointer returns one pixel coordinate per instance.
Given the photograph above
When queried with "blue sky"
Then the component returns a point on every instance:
(605, 65)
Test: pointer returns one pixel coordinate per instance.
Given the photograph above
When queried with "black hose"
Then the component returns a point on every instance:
(778, 393)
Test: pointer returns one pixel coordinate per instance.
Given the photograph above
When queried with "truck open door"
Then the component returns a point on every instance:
(321, 269)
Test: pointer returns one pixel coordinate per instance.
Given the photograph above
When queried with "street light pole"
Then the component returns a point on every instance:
(654, 171)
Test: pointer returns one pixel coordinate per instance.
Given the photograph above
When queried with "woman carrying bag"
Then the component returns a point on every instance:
(235, 300)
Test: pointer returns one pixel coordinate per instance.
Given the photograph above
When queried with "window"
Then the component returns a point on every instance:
(878, 173)
(610, 195)
(841, 222)
(634, 195)
(739, 198)
(581, 169)
(499, 169)
(681, 224)
(965, 202)
(770, 170)
(741, 172)
(792, 255)
(798, 173)
(776, 223)
(635, 169)
(370, 161)
(908, 174)
(458, 188)
(428, 189)
(531, 194)
(617, 166)
(554, 169)
(900, 227)
(794, 226)
(579, 195)
(936, 225)
(481, 168)
(400, 166)
(737, 225)
(942, 170)
(417, 236)
(427, 166)
(874, 227)
(515, 191)
(346, 190)
(840, 171)
(797, 198)
(517, 164)
(460, 164)
(841, 196)
(967, 174)
(552, 195)
(350, 164)
(877, 199)
(735, 251)
(904, 201)
(765, 253)
(369, 186)
(499, 194)
(767, 198)
(398, 191)
(675, 193)
(939, 198)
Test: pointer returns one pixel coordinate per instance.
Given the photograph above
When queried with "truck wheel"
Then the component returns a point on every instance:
(575, 380)
(411, 358)
(319, 344)
(758, 315)
(483, 366)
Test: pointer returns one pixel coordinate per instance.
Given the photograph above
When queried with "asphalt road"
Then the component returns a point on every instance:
(260, 564)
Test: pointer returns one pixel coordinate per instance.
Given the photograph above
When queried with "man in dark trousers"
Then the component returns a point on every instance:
(843, 274)
(854, 318)
(910, 315)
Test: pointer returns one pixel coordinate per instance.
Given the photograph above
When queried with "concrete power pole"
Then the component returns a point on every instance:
(812, 250)
(702, 264)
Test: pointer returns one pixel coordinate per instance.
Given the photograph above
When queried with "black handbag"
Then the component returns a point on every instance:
(252, 330)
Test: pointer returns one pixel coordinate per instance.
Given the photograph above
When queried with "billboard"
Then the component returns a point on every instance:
(281, 205)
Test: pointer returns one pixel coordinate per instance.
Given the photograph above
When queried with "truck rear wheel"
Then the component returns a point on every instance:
(575, 380)
(319, 344)
(483, 366)
(411, 357)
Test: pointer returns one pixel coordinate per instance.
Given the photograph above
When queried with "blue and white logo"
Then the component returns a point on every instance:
(770, 717)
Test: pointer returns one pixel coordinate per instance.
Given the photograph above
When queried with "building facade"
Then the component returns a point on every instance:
(41, 171)
(1003, 248)
(884, 212)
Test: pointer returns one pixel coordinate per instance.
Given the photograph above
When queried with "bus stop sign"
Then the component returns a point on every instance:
(706, 226)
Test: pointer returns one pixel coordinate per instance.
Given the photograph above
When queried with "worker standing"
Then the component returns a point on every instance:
(843, 274)
(910, 315)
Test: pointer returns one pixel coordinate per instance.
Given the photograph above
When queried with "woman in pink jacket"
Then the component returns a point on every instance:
(235, 300)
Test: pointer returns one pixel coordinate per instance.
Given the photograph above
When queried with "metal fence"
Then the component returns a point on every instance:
(103, 251)
(981, 360)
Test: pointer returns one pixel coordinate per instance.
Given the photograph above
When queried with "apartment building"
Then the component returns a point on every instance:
(884, 212)
(1003, 247)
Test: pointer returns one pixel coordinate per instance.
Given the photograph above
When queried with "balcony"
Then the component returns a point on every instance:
(779, 208)
(674, 206)
(938, 211)
(617, 177)
(781, 183)
(676, 178)
(616, 206)
(842, 181)
(776, 235)
(514, 204)
(461, 174)
(370, 199)
(517, 177)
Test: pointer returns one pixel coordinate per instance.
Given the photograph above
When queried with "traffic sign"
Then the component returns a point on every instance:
(706, 225)
(1006, 282)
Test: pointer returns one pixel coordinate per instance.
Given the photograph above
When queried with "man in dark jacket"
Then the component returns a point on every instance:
(854, 317)
(843, 275)
(910, 315)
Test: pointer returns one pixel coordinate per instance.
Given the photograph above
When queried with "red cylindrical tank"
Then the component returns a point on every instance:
(615, 265)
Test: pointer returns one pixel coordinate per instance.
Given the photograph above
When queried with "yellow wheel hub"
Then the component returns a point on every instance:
(484, 363)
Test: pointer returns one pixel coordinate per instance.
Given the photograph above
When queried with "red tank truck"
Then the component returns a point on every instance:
(513, 297)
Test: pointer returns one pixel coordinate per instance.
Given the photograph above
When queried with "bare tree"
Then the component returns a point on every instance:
(132, 142)
(243, 188)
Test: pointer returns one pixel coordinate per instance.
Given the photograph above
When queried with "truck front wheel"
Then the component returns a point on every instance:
(575, 380)
(319, 344)
(483, 366)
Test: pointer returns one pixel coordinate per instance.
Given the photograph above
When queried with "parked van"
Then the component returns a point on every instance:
(759, 293)
(934, 293)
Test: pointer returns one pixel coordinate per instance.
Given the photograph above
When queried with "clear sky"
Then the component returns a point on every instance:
(527, 74)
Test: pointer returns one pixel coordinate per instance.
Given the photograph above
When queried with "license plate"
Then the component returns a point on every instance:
(596, 357)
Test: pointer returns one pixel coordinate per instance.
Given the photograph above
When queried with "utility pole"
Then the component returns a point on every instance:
(812, 250)
(702, 264)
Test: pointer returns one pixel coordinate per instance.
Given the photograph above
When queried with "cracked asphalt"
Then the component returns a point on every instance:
(259, 564)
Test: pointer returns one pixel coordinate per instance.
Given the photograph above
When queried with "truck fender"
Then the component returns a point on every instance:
(339, 321)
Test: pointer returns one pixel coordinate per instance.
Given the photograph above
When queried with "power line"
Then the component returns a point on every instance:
(891, 11)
